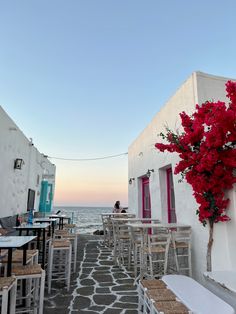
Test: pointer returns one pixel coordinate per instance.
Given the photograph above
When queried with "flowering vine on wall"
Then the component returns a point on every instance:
(207, 151)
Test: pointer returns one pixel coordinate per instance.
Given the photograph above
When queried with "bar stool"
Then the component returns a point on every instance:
(107, 230)
(8, 286)
(157, 295)
(157, 253)
(122, 242)
(73, 237)
(17, 257)
(70, 227)
(169, 307)
(181, 245)
(59, 262)
(150, 284)
(136, 241)
(33, 296)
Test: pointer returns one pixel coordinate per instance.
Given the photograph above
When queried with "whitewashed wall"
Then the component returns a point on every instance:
(198, 88)
(14, 183)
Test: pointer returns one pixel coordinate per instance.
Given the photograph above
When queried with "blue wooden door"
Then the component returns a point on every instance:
(46, 196)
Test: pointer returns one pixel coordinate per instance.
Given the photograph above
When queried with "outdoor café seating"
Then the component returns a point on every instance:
(23, 279)
(20, 263)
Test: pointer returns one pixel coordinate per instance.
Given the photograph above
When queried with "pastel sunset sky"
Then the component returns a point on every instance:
(84, 78)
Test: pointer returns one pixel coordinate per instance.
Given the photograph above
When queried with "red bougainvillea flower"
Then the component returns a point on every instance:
(207, 151)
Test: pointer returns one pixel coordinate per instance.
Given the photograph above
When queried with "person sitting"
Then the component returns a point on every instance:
(117, 208)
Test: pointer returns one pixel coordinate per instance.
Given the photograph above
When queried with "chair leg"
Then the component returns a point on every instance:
(4, 301)
(50, 264)
(69, 269)
(36, 292)
(135, 261)
(75, 252)
(13, 299)
(190, 261)
(41, 295)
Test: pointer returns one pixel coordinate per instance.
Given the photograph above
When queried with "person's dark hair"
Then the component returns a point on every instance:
(117, 205)
(123, 211)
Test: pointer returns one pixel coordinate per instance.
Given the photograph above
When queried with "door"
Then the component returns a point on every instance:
(46, 197)
(31, 198)
(170, 196)
(146, 198)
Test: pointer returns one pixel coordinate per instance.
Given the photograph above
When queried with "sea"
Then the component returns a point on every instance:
(87, 219)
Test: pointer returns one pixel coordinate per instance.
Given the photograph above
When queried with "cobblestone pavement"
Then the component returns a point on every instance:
(97, 286)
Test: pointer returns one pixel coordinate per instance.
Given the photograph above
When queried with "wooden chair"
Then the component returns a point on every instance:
(136, 241)
(169, 307)
(59, 262)
(122, 242)
(107, 230)
(157, 295)
(33, 297)
(156, 254)
(181, 245)
(73, 237)
(144, 285)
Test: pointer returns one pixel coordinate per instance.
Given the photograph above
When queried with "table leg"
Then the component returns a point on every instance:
(44, 249)
(49, 230)
(60, 223)
(38, 239)
(9, 267)
(25, 247)
(53, 228)
(9, 262)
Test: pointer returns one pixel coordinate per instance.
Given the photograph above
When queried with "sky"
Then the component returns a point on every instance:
(84, 78)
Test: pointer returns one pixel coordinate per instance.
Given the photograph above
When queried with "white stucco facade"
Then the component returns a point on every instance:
(15, 183)
(198, 88)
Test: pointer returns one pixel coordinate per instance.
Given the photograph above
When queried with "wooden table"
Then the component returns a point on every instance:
(118, 214)
(51, 221)
(135, 220)
(38, 228)
(15, 242)
(61, 219)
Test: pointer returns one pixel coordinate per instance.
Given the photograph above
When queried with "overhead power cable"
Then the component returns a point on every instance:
(87, 159)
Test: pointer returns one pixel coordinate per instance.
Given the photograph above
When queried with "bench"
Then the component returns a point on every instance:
(226, 279)
(195, 297)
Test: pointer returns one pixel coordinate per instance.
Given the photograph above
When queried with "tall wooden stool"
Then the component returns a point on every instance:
(59, 262)
(33, 296)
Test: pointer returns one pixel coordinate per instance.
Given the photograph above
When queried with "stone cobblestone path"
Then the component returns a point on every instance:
(98, 286)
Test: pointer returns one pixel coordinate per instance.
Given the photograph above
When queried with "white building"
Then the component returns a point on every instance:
(27, 176)
(168, 197)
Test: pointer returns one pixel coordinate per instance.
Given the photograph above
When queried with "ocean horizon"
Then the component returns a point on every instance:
(87, 218)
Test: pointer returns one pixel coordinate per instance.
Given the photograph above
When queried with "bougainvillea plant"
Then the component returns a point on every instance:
(207, 151)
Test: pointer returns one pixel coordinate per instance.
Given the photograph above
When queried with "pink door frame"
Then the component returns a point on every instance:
(145, 188)
(169, 195)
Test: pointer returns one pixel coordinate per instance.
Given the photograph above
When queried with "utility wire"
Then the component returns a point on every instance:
(88, 159)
